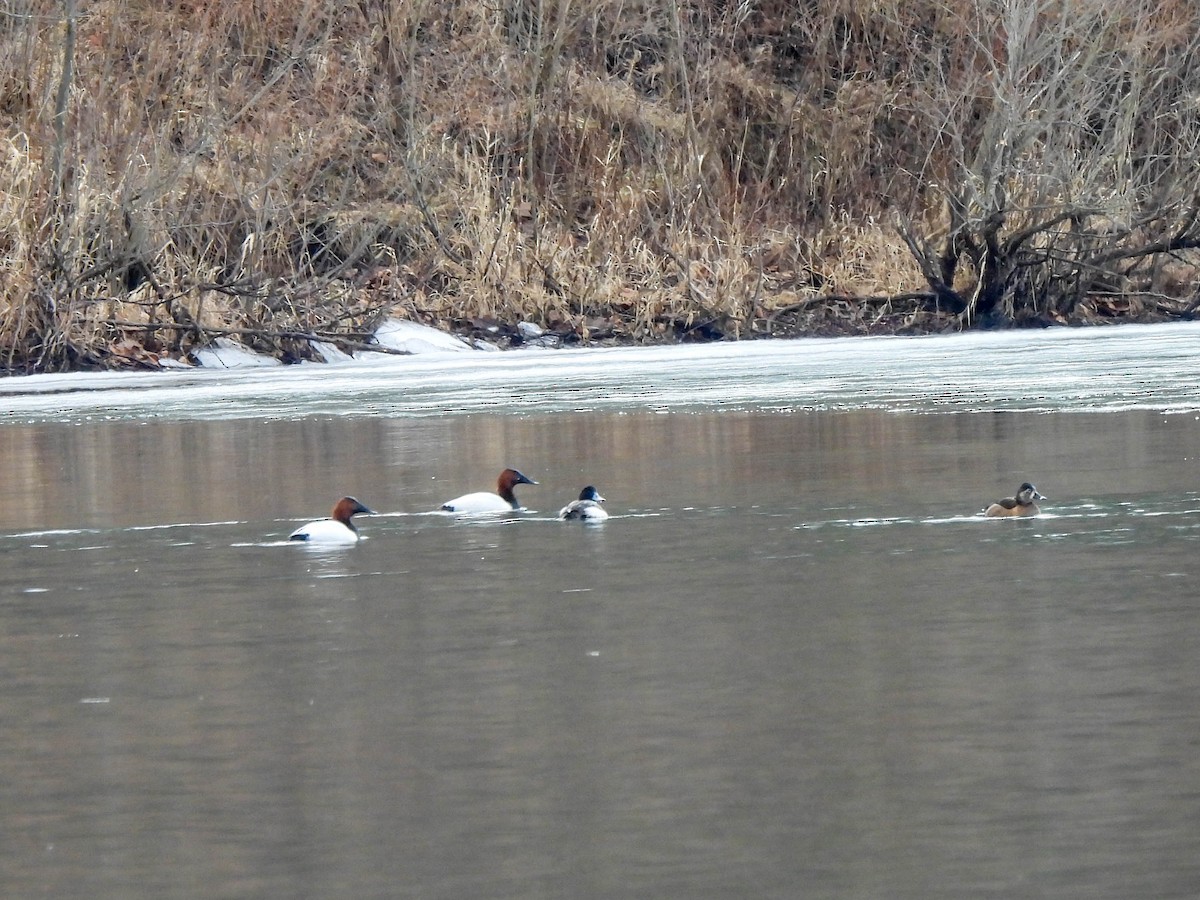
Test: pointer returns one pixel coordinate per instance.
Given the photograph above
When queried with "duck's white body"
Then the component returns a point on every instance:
(324, 531)
(584, 510)
(479, 502)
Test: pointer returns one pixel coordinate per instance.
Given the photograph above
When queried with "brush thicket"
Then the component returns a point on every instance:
(628, 170)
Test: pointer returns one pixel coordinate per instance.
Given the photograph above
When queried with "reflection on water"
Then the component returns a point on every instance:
(175, 473)
(794, 663)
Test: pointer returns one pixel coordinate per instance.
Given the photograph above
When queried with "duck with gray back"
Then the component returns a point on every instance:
(586, 509)
(1021, 505)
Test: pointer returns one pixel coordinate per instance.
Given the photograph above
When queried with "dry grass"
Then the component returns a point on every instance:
(619, 170)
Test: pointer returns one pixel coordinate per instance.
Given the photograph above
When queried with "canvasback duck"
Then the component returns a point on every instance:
(337, 528)
(1020, 505)
(504, 500)
(586, 509)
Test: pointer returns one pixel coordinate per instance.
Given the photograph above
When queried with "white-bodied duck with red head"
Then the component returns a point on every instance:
(337, 529)
(504, 500)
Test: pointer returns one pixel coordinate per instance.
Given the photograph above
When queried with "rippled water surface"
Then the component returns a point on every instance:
(794, 663)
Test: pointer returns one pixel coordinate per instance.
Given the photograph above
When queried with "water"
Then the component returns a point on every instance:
(793, 663)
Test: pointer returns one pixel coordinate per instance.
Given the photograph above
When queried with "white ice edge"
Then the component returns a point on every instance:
(1098, 369)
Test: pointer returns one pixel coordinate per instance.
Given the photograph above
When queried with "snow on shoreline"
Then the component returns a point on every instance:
(412, 337)
(394, 334)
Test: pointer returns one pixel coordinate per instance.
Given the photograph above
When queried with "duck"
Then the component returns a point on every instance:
(504, 500)
(1021, 505)
(586, 509)
(337, 528)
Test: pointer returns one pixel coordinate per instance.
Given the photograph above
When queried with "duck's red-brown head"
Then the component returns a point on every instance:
(347, 507)
(509, 479)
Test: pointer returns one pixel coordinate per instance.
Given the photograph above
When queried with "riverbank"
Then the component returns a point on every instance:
(819, 317)
(611, 174)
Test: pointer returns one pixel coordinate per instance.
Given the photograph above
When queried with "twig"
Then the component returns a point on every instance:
(353, 343)
(868, 299)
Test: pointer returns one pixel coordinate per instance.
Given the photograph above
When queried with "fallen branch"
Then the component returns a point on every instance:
(926, 297)
(264, 333)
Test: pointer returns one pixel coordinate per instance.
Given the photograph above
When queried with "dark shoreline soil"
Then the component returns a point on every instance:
(845, 317)
(853, 319)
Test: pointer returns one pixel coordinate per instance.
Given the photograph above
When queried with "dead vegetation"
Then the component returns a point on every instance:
(615, 171)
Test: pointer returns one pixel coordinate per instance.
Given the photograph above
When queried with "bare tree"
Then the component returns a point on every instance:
(1071, 141)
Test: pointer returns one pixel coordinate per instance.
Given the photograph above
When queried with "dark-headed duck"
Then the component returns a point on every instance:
(1020, 505)
(586, 509)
